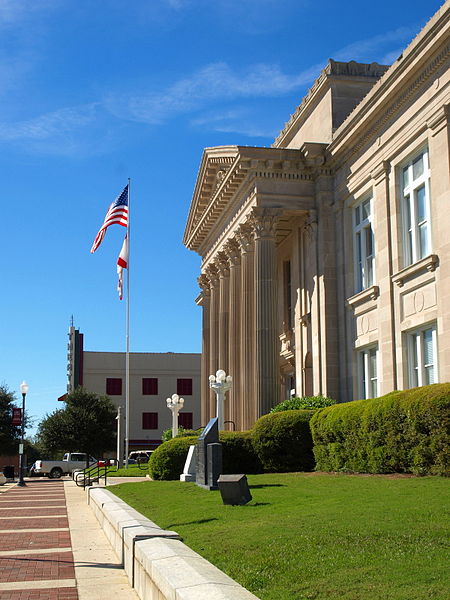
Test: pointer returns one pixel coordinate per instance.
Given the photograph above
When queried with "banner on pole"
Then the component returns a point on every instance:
(16, 416)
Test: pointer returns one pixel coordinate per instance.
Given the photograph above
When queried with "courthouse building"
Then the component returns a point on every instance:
(154, 377)
(326, 257)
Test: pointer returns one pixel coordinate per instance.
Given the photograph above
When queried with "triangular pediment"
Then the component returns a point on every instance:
(224, 171)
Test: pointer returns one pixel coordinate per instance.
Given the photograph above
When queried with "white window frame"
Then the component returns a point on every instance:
(363, 235)
(417, 368)
(413, 225)
(368, 381)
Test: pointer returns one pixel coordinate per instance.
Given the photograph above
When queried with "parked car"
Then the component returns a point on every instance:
(139, 456)
(57, 468)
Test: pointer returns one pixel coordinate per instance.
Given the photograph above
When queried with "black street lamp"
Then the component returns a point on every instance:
(23, 390)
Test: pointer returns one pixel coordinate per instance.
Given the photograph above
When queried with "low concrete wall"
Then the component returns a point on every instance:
(158, 565)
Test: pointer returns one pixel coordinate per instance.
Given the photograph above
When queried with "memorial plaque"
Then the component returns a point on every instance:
(209, 436)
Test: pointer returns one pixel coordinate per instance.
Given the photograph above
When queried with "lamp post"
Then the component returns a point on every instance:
(175, 404)
(220, 383)
(23, 391)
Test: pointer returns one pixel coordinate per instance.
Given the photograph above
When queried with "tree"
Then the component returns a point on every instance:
(9, 433)
(87, 424)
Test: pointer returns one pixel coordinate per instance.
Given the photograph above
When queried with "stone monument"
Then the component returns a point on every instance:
(209, 456)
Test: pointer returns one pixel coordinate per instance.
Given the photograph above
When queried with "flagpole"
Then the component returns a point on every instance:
(127, 327)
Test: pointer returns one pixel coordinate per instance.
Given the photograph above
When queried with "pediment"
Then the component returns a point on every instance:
(223, 171)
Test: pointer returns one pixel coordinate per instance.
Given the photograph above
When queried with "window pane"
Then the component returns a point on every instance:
(363, 371)
(369, 241)
(414, 360)
(428, 346)
(149, 386)
(150, 420)
(113, 386)
(184, 387)
(405, 177)
(357, 219)
(423, 240)
(418, 167)
(421, 204)
(373, 363)
(366, 210)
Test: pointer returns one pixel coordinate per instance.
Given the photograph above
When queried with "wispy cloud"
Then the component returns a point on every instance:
(239, 121)
(376, 47)
(213, 82)
(208, 96)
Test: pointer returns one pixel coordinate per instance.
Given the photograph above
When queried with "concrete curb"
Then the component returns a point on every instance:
(157, 563)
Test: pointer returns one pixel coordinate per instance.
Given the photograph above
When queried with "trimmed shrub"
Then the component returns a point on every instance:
(167, 461)
(305, 402)
(239, 456)
(283, 442)
(238, 453)
(182, 432)
(402, 432)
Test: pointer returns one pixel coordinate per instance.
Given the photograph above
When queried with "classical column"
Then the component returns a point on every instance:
(264, 222)
(204, 302)
(246, 370)
(224, 307)
(213, 277)
(232, 412)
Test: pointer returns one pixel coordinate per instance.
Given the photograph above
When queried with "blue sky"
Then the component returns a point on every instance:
(92, 93)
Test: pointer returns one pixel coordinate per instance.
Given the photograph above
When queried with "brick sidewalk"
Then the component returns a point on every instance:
(36, 560)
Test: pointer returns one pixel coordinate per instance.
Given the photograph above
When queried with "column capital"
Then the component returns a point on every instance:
(221, 264)
(264, 221)
(232, 252)
(212, 275)
(310, 225)
(244, 238)
(203, 282)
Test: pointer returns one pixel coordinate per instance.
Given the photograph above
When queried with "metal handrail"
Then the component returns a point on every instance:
(96, 471)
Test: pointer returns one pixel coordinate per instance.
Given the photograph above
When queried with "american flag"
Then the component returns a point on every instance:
(117, 215)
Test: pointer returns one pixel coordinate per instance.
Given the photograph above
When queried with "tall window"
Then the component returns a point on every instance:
(113, 386)
(416, 208)
(149, 386)
(184, 387)
(150, 420)
(368, 373)
(422, 357)
(364, 245)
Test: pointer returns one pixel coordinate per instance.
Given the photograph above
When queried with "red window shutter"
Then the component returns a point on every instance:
(113, 386)
(150, 420)
(150, 386)
(184, 387)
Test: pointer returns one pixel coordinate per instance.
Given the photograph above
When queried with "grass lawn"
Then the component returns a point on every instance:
(132, 471)
(315, 536)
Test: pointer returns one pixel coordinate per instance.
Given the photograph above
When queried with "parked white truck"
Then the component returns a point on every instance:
(57, 468)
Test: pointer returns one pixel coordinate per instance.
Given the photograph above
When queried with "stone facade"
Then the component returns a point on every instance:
(325, 257)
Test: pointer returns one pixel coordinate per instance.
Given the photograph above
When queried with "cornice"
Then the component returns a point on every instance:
(239, 167)
(332, 70)
(398, 85)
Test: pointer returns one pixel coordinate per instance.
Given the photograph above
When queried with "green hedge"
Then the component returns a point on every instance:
(238, 453)
(305, 402)
(167, 461)
(403, 432)
(283, 441)
(239, 456)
